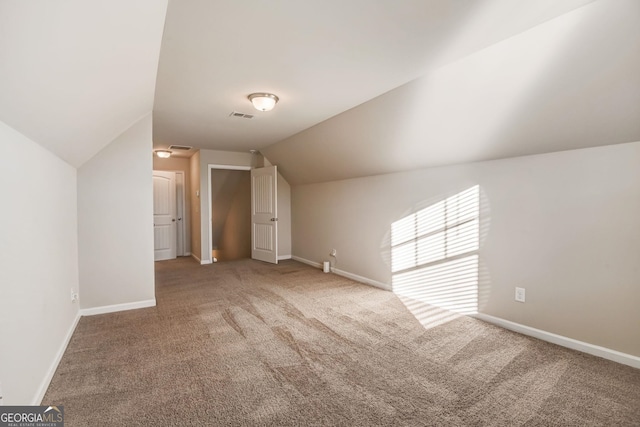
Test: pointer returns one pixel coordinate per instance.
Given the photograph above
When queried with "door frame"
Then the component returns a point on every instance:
(210, 202)
(181, 202)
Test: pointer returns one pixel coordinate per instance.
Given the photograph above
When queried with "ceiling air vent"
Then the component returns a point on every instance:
(180, 147)
(241, 115)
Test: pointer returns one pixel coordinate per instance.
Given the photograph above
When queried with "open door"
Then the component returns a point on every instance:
(164, 215)
(264, 214)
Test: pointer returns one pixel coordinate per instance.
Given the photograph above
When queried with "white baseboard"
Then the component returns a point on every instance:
(306, 261)
(44, 385)
(361, 279)
(595, 350)
(283, 257)
(346, 274)
(200, 261)
(118, 307)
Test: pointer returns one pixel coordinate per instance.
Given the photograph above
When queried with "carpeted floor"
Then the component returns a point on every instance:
(246, 343)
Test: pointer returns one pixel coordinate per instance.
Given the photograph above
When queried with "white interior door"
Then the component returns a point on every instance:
(164, 215)
(264, 214)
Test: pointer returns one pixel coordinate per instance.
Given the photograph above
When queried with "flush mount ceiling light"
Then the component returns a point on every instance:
(263, 101)
(163, 154)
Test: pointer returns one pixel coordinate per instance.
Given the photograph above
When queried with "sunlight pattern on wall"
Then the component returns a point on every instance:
(434, 253)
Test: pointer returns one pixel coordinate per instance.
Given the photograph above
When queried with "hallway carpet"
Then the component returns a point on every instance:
(245, 343)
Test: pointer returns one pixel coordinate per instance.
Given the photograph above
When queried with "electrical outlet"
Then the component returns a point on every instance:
(520, 294)
(333, 253)
(74, 295)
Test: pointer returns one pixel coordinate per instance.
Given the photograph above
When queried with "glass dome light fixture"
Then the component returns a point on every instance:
(163, 154)
(263, 101)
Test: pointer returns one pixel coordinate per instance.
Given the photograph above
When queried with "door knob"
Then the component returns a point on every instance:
(274, 219)
(173, 220)
(179, 219)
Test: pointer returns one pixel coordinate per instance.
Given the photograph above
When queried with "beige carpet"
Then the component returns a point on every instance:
(246, 343)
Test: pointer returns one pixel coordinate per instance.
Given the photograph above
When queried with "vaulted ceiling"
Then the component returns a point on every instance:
(365, 87)
(375, 87)
(74, 74)
(569, 83)
(320, 57)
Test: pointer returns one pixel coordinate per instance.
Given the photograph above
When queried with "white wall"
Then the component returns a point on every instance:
(284, 218)
(115, 229)
(195, 211)
(38, 265)
(565, 226)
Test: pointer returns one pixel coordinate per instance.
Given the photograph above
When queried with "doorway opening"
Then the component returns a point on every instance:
(230, 213)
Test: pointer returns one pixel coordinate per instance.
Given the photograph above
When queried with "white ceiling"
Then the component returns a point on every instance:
(572, 82)
(500, 78)
(321, 57)
(74, 74)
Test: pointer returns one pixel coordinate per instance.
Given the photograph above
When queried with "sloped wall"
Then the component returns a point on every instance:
(38, 265)
(564, 226)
